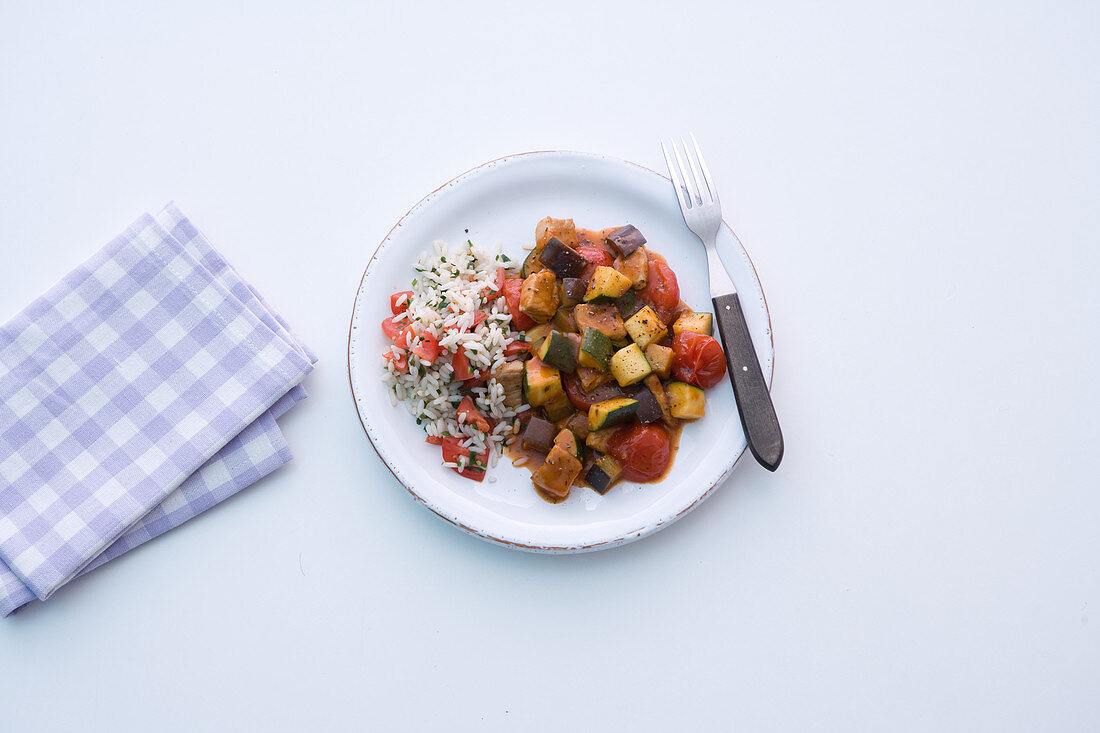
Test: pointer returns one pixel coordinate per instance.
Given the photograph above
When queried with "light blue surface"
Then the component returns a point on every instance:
(917, 189)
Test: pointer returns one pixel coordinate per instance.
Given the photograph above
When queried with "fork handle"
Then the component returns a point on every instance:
(754, 404)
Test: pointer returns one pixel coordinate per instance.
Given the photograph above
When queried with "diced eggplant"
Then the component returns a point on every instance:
(625, 240)
(658, 391)
(572, 290)
(562, 260)
(603, 473)
(649, 410)
(539, 435)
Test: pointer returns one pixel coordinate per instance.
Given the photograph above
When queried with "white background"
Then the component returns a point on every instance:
(918, 189)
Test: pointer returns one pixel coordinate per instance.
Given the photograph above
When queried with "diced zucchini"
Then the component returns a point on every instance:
(628, 304)
(686, 401)
(590, 378)
(531, 264)
(603, 318)
(558, 409)
(557, 474)
(660, 358)
(645, 327)
(629, 366)
(541, 383)
(566, 439)
(538, 435)
(572, 291)
(611, 412)
(636, 267)
(557, 351)
(536, 334)
(607, 283)
(605, 471)
(600, 439)
(596, 350)
(694, 322)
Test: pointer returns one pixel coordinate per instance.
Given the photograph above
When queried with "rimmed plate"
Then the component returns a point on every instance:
(501, 201)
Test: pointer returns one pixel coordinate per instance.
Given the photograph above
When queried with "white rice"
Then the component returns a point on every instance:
(447, 291)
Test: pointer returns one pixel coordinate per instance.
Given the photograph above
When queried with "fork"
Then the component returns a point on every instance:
(698, 197)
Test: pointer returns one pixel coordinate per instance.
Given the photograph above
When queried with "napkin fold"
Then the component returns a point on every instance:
(136, 393)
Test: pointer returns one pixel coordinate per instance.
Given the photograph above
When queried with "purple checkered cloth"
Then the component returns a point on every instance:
(139, 391)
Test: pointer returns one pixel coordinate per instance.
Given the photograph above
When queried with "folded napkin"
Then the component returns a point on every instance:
(136, 393)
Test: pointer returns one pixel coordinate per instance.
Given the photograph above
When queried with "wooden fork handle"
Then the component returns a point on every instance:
(754, 404)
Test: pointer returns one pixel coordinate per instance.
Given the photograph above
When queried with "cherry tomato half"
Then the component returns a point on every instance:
(698, 359)
(399, 302)
(595, 257)
(642, 450)
(520, 320)
(661, 290)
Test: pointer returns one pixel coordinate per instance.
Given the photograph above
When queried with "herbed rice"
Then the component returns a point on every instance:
(448, 290)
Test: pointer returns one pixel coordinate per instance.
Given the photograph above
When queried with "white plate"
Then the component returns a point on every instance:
(500, 202)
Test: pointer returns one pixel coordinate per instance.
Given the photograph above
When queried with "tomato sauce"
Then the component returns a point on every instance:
(532, 459)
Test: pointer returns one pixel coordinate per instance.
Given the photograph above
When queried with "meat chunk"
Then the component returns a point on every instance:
(510, 376)
(563, 229)
(538, 297)
(636, 267)
(604, 318)
(558, 473)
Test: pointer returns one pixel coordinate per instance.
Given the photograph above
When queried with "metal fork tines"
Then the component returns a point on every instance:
(702, 209)
(698, 197)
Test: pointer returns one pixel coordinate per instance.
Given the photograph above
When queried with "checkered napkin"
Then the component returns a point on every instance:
(138, 392)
